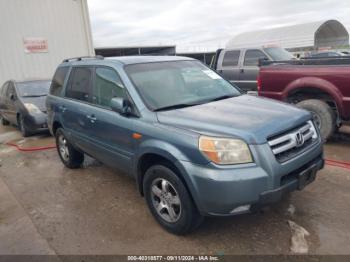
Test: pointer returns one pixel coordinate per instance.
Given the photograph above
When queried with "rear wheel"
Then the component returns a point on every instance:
(70, 157)
(323, 116)
(169, 200)
(21, 125)
(4, 122)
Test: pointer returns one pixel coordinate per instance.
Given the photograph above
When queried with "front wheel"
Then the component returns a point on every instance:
(323, 116)
(22, 127)
(70, 157)
(169, 200)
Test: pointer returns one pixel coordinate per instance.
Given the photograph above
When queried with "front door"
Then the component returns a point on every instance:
(111, 132)
(249, 69)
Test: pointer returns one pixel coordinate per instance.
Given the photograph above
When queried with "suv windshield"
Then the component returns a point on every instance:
(279, 54)
(176, 84)
(33, 88)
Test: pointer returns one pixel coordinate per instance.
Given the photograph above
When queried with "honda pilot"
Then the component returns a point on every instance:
(194, 143)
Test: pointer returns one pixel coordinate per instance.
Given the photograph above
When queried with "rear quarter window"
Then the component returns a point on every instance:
(58, 81)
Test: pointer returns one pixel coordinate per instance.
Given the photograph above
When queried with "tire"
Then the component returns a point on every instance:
(70, 157)
(172, 196)
(22, 127)
(323, 116)
(4, 122)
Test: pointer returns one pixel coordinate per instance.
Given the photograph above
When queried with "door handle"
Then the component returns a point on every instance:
(92, 118)
(62, 108)
(241, 70)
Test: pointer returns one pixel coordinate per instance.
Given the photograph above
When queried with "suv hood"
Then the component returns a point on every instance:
(250, 118)
(38, 101)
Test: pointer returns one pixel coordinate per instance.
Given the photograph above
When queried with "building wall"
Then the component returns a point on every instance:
(64, 24)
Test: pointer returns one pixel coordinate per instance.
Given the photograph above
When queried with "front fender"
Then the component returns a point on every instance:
(318, 83)
(162, 148)
(172, 154)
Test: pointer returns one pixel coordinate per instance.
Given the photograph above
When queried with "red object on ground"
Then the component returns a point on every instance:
(30, 149)
(337, 163)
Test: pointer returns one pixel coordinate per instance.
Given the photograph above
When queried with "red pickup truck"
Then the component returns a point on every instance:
(321, 86)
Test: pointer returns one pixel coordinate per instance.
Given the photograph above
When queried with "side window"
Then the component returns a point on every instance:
(107, 85)
(252, 57)
(58, 81)
(231, 58)
(80, 84)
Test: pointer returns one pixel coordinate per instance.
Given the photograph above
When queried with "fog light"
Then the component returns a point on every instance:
(240, 209)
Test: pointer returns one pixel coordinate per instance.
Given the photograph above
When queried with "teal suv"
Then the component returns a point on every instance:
(194, 143)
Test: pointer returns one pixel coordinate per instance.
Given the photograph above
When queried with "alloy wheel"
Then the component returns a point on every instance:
(166, 200)
(63, 147)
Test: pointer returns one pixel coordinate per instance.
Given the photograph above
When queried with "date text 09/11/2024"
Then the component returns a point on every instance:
(173, 258)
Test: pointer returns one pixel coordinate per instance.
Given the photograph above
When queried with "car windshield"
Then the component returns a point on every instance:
(176, 84)
(278, 53)
(33, 88)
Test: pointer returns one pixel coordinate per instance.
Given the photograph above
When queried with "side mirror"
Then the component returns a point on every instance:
(263, 61)
(121, 106)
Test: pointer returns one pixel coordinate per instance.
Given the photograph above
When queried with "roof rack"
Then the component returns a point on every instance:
(80, 58)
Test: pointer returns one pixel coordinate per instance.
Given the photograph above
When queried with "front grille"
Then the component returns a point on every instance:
(289, 144)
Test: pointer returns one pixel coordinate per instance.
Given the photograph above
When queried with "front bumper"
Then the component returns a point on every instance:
(296, 180)
(35, 123)
(222, 191)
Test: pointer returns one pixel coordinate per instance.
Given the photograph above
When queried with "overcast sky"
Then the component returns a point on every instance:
(201, 25)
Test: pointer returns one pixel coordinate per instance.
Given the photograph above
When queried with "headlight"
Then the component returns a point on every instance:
(225, 151)
(32, 108)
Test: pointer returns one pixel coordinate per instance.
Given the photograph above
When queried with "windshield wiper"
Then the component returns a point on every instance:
(219, 98)
(177, 106)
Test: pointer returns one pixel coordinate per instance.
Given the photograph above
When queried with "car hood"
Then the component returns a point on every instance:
(39, 101)
(247, 117)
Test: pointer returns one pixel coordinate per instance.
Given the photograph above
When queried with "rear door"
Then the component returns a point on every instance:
(55, 98)
(3, 107)
(228, 65)
(11, 97)
(111, 132)
(249, 69)
(76, 108)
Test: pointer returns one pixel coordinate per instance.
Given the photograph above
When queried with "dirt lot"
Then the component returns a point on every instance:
(46, 208)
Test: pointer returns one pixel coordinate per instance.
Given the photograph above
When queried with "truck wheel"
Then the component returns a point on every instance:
(169, 201)
(22, 127)
(323, 116)
(4, 122)
(70, 157)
